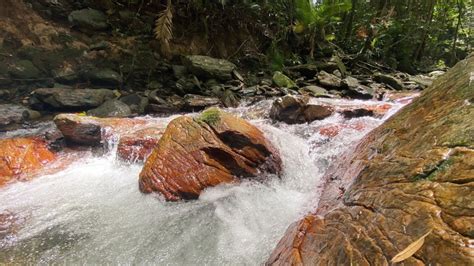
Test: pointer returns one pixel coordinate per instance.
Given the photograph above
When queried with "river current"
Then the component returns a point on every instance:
(93, 213)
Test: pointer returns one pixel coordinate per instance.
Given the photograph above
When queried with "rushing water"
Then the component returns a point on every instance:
(93, 212)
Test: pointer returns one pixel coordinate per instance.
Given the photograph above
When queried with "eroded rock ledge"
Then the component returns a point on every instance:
(413, 174)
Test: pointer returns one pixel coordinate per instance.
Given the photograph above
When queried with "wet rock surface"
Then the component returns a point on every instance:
(93, 131)
(14, 114)
(137, 146)
(295, 110)
(23, 158)
(408, 177)
(194, 154)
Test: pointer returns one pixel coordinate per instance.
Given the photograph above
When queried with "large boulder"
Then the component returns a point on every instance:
(207, 67)
(23, 158)
(215, 148)
(90, 19)
(409, 178)
(69, 99)
(295, 110)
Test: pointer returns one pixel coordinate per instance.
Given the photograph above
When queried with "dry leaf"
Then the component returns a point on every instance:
(411, 249)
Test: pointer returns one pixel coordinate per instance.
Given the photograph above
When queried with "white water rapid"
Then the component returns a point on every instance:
(93, 213)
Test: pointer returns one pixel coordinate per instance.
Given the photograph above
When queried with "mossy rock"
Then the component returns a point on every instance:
(282, 81)
(210, 116)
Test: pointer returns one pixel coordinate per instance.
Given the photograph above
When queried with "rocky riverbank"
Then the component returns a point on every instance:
(409, 177)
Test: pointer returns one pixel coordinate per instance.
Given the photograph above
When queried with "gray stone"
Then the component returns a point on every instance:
(24, 69)
(13, 114)
(357, 90)
(194, 102)
(111, 108)
(315, 91)
(329, 80)
(104, 77)
(393, 82)
(137, 103)
(295, 110)
(69, 99)
(207, 67)
(179, 71)
(229, 99)
(282, 81)
(89, 19)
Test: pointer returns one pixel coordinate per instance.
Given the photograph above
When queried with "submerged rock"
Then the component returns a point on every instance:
(69, 99)
(409, 177)
(137, 146)
(215, 148)
(207, 67)
(22, 158)
(294, 110)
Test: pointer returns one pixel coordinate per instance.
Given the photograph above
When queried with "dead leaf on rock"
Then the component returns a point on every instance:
(411, 249)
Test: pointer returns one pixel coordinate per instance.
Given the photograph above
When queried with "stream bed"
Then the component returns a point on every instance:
(92, 212)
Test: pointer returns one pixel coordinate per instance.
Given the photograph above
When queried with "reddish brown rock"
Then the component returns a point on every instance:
(293, 110)
(194, 154)
(137, 146)
(412, 175)
(22, 158)
(92, 131)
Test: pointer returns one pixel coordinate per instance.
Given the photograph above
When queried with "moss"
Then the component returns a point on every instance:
(210, 116)
(431, 175)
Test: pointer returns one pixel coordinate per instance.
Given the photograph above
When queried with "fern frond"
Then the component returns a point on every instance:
(164, 27)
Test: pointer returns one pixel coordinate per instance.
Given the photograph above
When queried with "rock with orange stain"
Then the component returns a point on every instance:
(137, 146)
(22, 158)
(412, 175)
(216, 148)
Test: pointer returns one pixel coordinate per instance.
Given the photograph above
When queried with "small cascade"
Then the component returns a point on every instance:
(93, 212)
